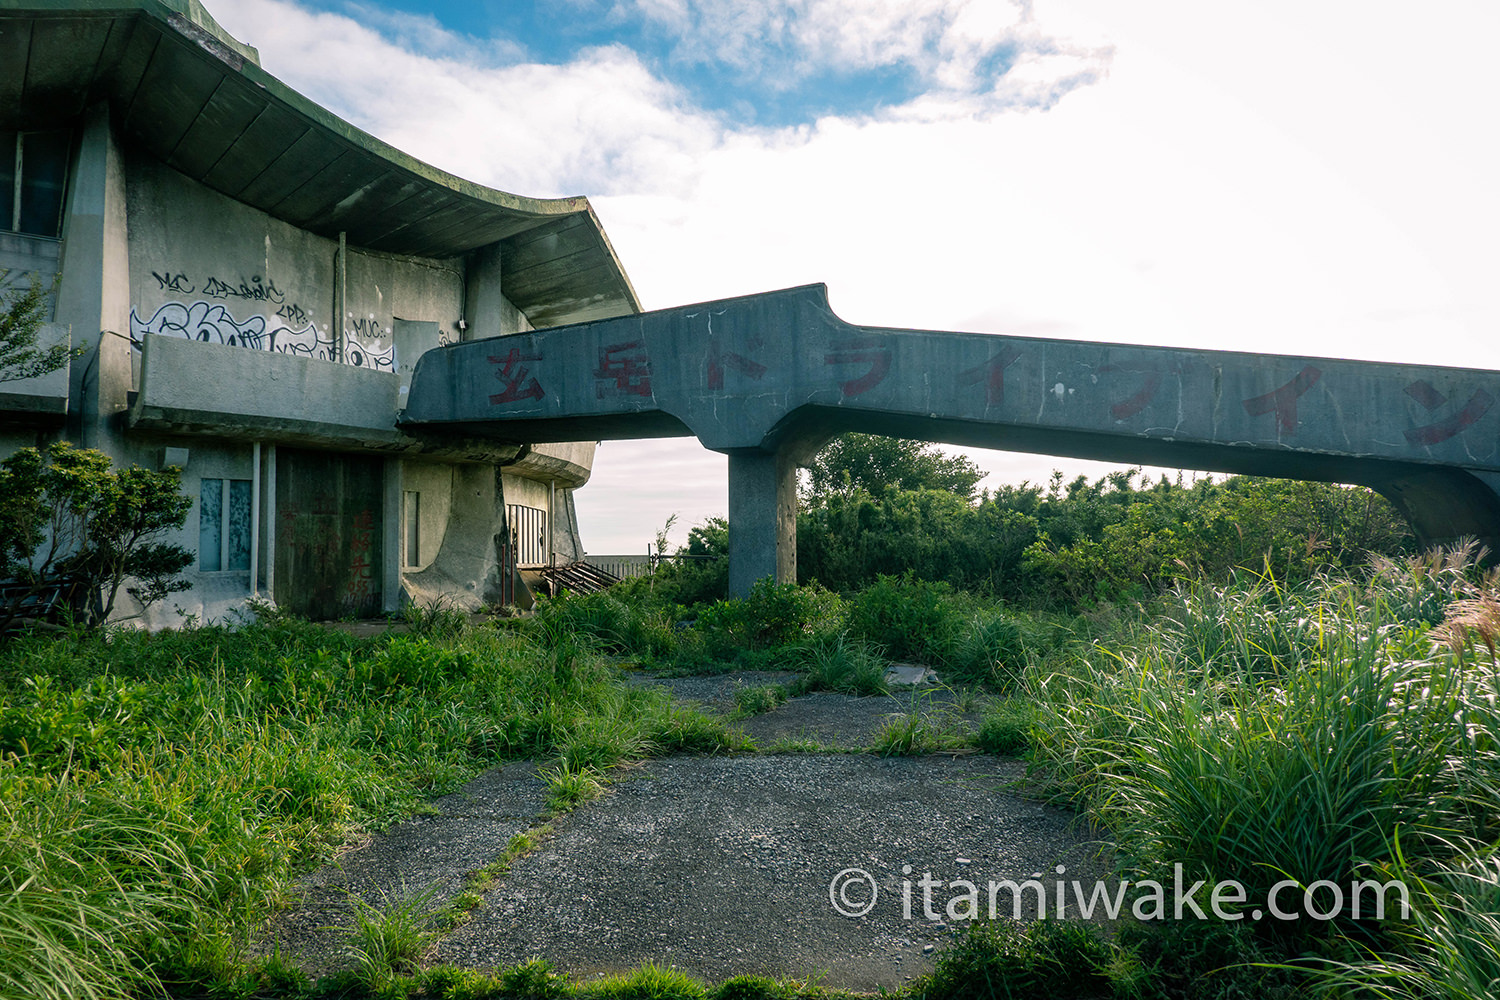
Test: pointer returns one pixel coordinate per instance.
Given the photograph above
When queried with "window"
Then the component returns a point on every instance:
(528, 526)
(411, 513)
(33, 175)
(223, 525)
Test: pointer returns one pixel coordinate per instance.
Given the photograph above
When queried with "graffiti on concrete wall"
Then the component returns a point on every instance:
(212, 322)
(861, 362)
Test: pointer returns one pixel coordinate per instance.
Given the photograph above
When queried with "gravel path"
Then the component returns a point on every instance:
(718, 865)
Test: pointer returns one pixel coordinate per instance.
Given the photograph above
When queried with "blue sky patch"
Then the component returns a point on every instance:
(762, 77)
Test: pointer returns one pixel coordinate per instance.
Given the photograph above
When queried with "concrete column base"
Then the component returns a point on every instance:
(762, 518)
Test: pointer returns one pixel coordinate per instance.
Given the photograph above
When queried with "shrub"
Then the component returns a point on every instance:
(912, 619)
(67, 517)
(1006, 730)
(1307, 770)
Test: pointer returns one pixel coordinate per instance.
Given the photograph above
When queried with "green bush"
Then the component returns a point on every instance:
(912, 619)
(771, 618)
(1006, 729)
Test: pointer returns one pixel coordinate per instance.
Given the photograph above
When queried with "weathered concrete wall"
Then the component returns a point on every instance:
(565, 463)
(778, 374)
(205, 267)
(433, 482)
(213, 389)
(466, 570)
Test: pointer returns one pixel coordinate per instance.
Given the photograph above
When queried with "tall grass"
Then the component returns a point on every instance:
(1257, 734)
(157, 792)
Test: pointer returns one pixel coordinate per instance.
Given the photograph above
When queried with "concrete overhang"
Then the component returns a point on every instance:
(41, 401)
(239, 393)
(197, 99)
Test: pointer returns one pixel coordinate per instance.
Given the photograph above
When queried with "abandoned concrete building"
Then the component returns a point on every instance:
(253, 280)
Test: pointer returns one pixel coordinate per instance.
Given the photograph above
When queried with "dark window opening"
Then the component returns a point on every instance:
(33, 181)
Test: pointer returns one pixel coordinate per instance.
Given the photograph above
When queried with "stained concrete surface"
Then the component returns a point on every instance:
(717, 865)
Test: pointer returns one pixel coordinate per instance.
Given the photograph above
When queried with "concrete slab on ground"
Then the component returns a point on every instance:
(463, 832)
(722, 865)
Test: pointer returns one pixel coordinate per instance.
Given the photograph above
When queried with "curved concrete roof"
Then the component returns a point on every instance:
(187, 92)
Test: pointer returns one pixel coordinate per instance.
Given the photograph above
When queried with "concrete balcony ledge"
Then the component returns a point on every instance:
(567, 464)
(40, 401)
(194, 388)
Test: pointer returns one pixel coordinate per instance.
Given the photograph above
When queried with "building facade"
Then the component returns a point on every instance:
(252, 280)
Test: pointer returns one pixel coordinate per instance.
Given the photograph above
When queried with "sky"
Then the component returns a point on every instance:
(1313, 177)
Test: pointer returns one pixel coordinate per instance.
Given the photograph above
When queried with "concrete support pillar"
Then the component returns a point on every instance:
(392, 535)
(762, 518)
(94, 294)
(484, 301)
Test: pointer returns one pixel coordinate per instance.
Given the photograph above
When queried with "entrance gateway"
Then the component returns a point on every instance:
(767, 379)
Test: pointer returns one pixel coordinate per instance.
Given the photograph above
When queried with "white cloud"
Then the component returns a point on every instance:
(1267, 177)
(597, 124)
(961, 47)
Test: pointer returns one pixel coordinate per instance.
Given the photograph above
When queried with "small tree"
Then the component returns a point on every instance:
(67, 517)
(21, 318)
(875, 463)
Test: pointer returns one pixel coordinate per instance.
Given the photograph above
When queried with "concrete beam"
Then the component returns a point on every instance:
(768, 375)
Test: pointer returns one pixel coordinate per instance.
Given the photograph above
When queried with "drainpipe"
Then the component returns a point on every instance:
(341, 296)
(551, 522)
(271, 522)
(255, 519)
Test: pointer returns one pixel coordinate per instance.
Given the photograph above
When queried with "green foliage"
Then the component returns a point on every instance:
(920, 729)
(605, 622)
(1450, 947)
(1006, 729)
(771, 616)
(758, 699)
(651, 982)
(68, 515)
(875, 464)
(87, 882)
(911, 619)
(1277, 735)
(438, 618)
(388, 940)
(567, 786)
(1045, 958)
(22, 313)
(843, 663)
(700, 573)
(1083, 543)
(847, 540)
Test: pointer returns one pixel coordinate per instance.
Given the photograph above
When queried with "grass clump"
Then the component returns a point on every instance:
(758, 699)
(1333, 732)
(842, 663)
(389, 939)
(1006, 729)
(650, 982)
(568, 787)
(1044, 958)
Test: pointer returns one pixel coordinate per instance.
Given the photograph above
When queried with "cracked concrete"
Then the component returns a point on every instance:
(715, 865)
